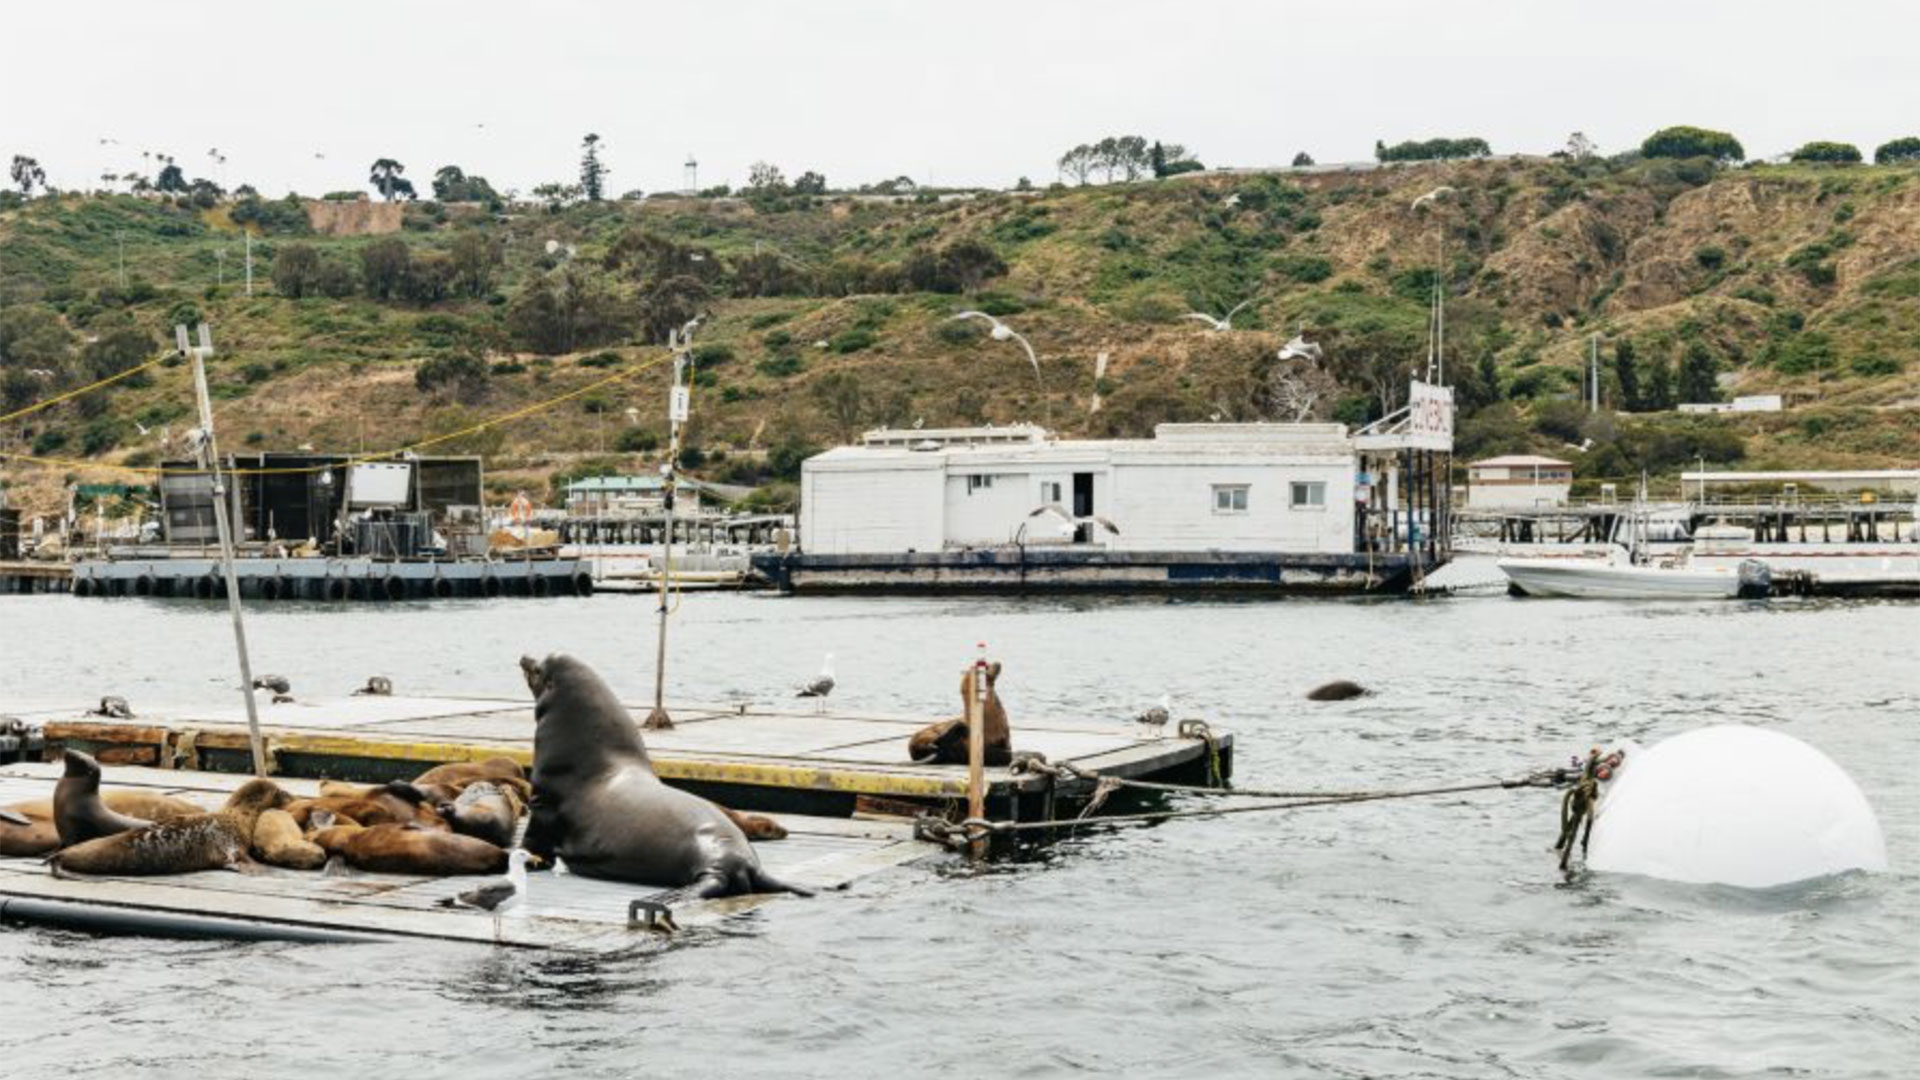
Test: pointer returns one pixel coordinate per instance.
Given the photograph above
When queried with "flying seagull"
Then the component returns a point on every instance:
(1300, 349)
(1060, 512)
(1224, 322)
(1157, 717)
(821, 686)
(499, 896)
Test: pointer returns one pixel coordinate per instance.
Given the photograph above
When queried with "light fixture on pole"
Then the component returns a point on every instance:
(1437, 315)
(679, 402)
(1002, 332)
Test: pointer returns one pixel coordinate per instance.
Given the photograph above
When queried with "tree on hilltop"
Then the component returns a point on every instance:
(386, 178)
(1837, 153)
(1687, 142)
(27, 174)
(593, 174)
(1898, 151)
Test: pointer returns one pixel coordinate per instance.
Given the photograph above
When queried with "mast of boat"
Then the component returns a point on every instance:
(678, 407)
(209, 454)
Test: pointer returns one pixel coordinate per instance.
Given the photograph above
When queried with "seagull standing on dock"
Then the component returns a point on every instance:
(282, 689)
(821, 686)
(497, 897)
(1157, 717)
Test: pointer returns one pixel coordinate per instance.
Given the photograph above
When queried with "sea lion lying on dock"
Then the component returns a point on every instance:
(216, 841)
(462, 773)
(486, 810)
(598, 804)
(278, 841)
(945, 743)
(409, 849)
(29, 828)
(1337, 690)
(397, 803)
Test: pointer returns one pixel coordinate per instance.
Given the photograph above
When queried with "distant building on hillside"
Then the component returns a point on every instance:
(1749, 404)
(1518, 482)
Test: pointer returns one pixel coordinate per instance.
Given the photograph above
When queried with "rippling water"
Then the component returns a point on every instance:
(1407, 939)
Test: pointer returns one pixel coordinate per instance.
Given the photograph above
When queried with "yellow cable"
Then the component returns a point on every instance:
(290, 470)
(74, 393)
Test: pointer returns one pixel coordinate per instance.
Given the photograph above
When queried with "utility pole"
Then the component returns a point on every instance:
(1593, 369)
(121, 239)
(209, 454)
(679, 400)
(248, 233)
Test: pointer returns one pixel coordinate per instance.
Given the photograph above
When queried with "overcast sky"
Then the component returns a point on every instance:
(970, 91)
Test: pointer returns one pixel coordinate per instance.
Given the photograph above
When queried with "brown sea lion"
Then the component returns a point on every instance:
(598, 804)
(22, 834)
(277, 841)
(216, 841)
(407, 849)
(27, 828)
(79, 814)
(397, 803)
(756, 826)
(945, 743)
(1337, 690)
(486, 810)
(461, 773)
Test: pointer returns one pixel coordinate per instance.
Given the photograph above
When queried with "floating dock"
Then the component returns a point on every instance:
(20, 576)
(1018, 569)
(562, 911)
(335, 579)
(743, 755)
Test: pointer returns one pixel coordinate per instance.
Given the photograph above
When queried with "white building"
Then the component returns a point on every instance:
(1191, 488)
(1518, 482)
(1752, 403)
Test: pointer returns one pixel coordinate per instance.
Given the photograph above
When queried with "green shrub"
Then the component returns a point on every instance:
(601, 360)
(852, 340)
(49, 441)
(1710, 257)
(1306, 269)
(1898, 151)
(776, 339)
(1875, 365)
(781, 365)
(1692, 142)
(1838, 153)
(637, 440)
(711, 356)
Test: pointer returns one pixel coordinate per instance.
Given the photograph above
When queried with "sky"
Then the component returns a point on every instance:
(305, 96)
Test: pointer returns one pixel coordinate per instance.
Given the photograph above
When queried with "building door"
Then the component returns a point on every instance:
(1082, 494)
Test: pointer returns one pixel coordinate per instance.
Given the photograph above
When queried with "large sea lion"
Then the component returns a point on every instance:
(409, 849)
(598, 804)
(79, 814)
(945, 743)
(216, 841)
(1337, 690)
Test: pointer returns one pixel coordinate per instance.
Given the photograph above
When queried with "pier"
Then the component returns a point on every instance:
(562, 911)
(334, 579)
(20, 576)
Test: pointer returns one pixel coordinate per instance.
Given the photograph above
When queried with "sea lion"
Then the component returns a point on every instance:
(27, 828)
(486, 810)
(22, 834)
(756, 826)
(945, 743)
(1337, 690)
(78, 812)
(461, 773)
(408, 849)
(216, 841)
(598, 804)
(396, 803)
(277, 841)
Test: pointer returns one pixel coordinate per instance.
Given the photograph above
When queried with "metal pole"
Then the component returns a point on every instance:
(210, 459)
(681, 343)
(248, 233)
(977, 748)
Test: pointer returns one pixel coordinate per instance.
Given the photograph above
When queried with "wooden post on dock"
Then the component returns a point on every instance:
(210, 459)
(977, 749)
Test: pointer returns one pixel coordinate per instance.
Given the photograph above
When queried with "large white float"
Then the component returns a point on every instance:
(1734, 805)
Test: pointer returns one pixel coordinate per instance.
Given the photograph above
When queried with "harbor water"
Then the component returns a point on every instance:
(1411, 939)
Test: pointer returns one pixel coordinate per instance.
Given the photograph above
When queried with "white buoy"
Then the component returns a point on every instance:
(1734, 805)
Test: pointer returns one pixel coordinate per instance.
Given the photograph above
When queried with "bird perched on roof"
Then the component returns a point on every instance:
(115, 707)
(377, 686)
(1157, 716)
(821, 686)
(499, 896)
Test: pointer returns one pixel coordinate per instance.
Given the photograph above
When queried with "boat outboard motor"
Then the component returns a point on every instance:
(1756, 579)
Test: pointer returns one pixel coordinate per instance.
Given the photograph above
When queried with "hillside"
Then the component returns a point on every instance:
(829, 314)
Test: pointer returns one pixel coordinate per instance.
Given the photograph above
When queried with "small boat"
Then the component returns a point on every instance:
(1619, 577)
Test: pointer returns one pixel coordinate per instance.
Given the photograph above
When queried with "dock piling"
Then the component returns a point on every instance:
(977, 750)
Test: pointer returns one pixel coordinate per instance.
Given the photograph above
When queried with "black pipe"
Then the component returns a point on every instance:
(103, 919)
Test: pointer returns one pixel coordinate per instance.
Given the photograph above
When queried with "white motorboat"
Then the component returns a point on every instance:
(1619, 577)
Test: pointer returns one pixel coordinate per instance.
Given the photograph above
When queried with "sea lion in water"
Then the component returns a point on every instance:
(945, 743)
(1337, 690)
(408, 849)
(598, 804)
(216, 841)
(79, 814)
(277, 841)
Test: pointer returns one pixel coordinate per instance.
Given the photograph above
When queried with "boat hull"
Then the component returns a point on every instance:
(1606, 581)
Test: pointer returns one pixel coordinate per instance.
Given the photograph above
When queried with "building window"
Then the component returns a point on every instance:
(976, 482)
(1050, 491)
(1229, 498)
(1308, 495)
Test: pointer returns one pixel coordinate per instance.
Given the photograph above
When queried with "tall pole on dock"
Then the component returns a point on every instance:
(977, 748)
(210, 460)
(678, 407)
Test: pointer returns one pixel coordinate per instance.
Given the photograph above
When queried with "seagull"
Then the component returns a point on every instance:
(1060, 512)
(1157, 717)
(1433, 196)
(821, 686)
(377, 686)
(282, 689)
(1301, 349)
(1224, 322)
(498, 897)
